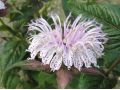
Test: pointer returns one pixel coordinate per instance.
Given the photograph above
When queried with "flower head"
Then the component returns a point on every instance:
(76, 44)
(2, 5)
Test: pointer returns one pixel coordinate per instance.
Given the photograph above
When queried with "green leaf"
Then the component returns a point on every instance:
(13, 52)
(44, 79)
(86, 81)
(11, 80)
(4, 27)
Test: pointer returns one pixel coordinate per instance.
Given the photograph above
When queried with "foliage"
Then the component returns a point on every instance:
(20, 13)
(86, 81)
(14, 25)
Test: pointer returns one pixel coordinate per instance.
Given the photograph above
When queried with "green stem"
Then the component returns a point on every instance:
(113, 65)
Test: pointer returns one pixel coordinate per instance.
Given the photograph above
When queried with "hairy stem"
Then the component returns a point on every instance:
(31, 65)
(63, 78)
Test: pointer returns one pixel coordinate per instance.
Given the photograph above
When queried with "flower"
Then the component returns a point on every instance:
(2, 5)
(76, 44)
(3, 10)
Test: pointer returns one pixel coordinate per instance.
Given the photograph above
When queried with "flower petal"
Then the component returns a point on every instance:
(68, 58)
(56, 62)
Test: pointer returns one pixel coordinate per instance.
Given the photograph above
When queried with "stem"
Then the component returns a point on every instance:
(113, 66)
(31, 65)
(63, 78)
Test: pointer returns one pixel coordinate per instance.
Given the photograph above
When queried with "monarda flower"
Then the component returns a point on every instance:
(75, 44)
(2, 5)
(2, 8)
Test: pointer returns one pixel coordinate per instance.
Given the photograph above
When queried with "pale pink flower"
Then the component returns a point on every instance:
(2, 5)
(76, 44)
